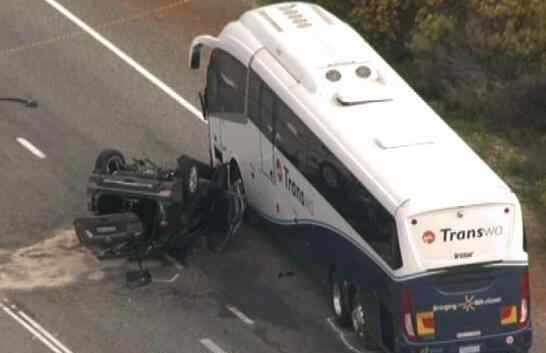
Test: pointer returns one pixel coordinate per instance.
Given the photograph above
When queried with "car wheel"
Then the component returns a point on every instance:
(340, 293)
(109, 161)
(188, 171)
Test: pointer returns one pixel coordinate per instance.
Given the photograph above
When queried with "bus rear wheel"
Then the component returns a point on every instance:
(359, 319)
(340, 300)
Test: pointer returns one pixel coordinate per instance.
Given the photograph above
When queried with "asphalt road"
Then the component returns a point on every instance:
(54, 297)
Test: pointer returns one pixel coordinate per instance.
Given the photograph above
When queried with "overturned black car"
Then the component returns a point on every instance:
(140, 209)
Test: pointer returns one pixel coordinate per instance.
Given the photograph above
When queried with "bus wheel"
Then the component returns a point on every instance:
(235, 183)
(340, 301)
(188, 171)
(359, 321)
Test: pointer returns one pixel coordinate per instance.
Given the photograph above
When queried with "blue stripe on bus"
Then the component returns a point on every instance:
(366, 251)
(337, 231)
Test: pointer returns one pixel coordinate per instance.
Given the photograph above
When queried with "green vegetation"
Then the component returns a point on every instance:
(481, 64)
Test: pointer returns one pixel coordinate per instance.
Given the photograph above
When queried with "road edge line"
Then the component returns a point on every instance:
(126, 58)
(341, 335)
(43, 331)
(30, 329)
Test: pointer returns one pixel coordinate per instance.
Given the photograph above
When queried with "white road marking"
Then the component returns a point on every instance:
(128, 60)
(29, 146)
(342, 336)
(172, 260)
(211, 346)
(35, 329)
(44, 332)
(174, 278)
(240, 315)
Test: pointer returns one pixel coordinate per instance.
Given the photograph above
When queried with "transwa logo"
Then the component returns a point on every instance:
(429, 237)
(450, 235)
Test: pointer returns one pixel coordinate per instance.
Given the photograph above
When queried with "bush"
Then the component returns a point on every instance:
(542, 191)
(484, 57)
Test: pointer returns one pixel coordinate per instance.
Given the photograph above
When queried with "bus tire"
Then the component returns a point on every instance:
(340, 300)
(235, 182)
(359, 321)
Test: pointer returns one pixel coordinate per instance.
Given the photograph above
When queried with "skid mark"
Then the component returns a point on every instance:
(54, 262)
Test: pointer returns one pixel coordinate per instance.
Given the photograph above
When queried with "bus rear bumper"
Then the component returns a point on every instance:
(514, 342)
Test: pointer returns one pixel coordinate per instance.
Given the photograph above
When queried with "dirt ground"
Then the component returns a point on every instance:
(537, 258)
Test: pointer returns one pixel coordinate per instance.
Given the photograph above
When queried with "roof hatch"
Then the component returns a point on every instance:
(399, 141)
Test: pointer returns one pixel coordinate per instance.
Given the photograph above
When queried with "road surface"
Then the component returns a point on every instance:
(114, 74)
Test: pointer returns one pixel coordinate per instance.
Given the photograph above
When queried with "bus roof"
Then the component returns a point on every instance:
(363, 110)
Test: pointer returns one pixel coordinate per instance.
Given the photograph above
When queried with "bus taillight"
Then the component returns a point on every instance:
(407, 309)
(525, 300)
(426, 325)
(509, 315)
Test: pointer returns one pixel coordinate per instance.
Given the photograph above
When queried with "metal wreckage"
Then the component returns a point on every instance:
(141, 210)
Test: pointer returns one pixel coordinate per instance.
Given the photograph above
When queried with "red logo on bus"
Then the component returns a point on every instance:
(279, 170)
(429, 237)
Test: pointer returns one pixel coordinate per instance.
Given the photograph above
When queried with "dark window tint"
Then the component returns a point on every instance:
(261, 103)
(336, 183)
(292, 135)
(226, 83)
(254, 92)
(325, 172)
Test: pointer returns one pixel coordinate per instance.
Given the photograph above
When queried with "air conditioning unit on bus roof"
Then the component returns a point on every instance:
(360, 84)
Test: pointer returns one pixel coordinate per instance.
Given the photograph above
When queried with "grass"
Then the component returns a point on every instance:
(519, 164)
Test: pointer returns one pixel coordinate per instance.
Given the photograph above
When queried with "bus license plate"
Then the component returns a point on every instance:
(470, 349)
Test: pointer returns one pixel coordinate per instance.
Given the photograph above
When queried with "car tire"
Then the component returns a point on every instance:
(109, 161)
(340, 300)
(188, 171)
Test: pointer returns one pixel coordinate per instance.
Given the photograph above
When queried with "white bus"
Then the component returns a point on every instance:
(422, 243)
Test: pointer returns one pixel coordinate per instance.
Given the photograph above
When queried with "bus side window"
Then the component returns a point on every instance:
(261, 101)
(267, 101)
(212, 83)
(226, 85)
(254, 90)
(351, 199)
(290, 134)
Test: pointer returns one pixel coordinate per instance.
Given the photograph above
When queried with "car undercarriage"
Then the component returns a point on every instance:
(141, 210)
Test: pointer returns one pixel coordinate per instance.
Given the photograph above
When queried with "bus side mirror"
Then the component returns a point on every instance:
(195, 55)
(195, 58)
(204, 104)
